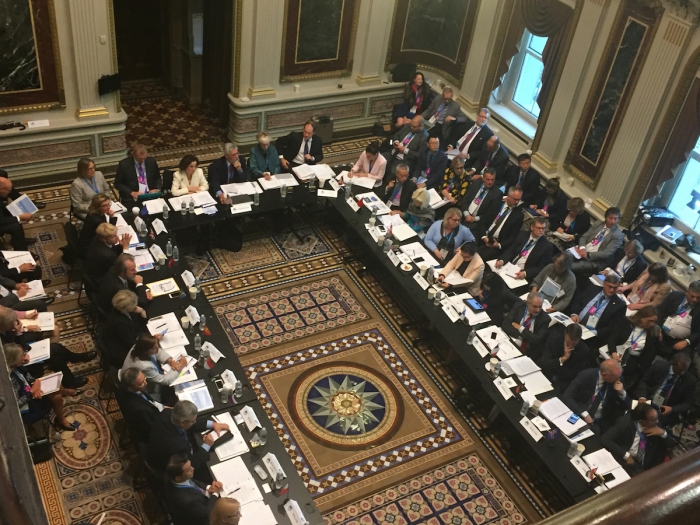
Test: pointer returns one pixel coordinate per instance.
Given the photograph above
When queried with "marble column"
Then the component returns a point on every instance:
(85, 51)
(267, 37)
(372, 37)
(642, 115)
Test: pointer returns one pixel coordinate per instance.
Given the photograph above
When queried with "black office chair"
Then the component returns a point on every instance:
(72, 256)
(168, 176)
(72, 214)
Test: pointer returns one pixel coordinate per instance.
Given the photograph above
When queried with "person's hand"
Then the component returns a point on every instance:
(125, 240)
(438, 254)
(440, 278)
(636, 306)
(308, 157)
(533, 206)
(159, 337)
(653, 431)
(21, 292)
(581, 252)
(26, 267)
(616, 357)
(110, 212)
(222, 198)
(25, 217)
(680, 345)
(480, 295)
(666, 410)
(618, 386)
(445, 285)
(464, 155)
(267, 175)
(395, 212)
(567, 352)
(401, 148)
(154, 190)
(149, 295)
(477, 176)
(520, 275)
(391, 184)
(33, 329)
(515, 325)
(36, 389)
(220, 427)
(140, 311)
(192, 189)
(549, 310)
(135, 194)
(33, 314)
(448, 118)
(468, 218)
(574, 318)
(542, 213)
(237, 164)
(588, 419)
(421, 185)
(138, 279)
(284, 162)
(209, 439)
(215, 488)
(605, 272)
(451, 199)
(630, 460)
(499, 264)
(560, 230)
(445, 193)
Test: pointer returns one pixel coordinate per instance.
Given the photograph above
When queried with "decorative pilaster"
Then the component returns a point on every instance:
(85, 46)
(374, 21)
(267, 30)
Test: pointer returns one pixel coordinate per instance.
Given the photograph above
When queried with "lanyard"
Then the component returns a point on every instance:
(523, 323)
(408, 138)
(633, 340)
(599, 390)
(600, 301)
(625, 267)
(684, 307)
(93, 185)
(449, 238)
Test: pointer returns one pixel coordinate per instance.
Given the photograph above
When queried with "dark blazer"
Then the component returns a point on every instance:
(498, 160)
(166, 440)
(579, 398)
(217, 174)
(682, 396)
(121, 332)
(127, 180)
(111, 284)
(416, 146)
(540, 254)
(406, 193)
(138, 413)
(6, 218)
(511, 227)
(489, 206)
(533, 339)
(14, 273)
(634, 271)
(437, 166)
(669, 307)
(530, 183)
(100, 258)
(612, 316)
(556, 210)
(581, 225)
(288, 146)
(476, 148)
(548, 359)
(618, 440)
(633, 366)
(496, 304)
(87, 234)
(188, 506)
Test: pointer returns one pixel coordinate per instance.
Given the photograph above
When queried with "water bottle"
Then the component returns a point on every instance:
(191, 205)
(202, 322)
(169, 248)
(373, 218)
(144, 230)
(198, 285)
(524, 408)
(387, 245)
(176, 253)
(238, 392)
(166, 210)
(279, 480)
(283, 190)
(263, 436)
(225, 394)
(197, 343)
(351, 195)
(471, 337)
(256, 199)
(312, 185)
(204, 356)
(183, 208)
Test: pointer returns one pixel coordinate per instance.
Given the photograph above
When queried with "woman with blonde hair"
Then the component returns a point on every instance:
(125, 322)
(99, 212)
(264, 159)
(445, 236)
(88, 183)
(419, 215)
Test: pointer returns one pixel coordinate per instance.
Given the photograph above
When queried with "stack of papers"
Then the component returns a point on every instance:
(241, 188)
(455, 278)
(558, 317)
(436, 200)
(36, 291)
(44, 321)
(163, 287)
(286, 178)
(558, 414)
(364, 182)
(20, 206)
(472, 317)
(128, 230)
(236, 446)
(403, 232)
(39, 351)
(507, 271)
(142, 258)
(419, 254)
(563, 236)
(602, 460)
(169, 326)
(199, 395)
(304, 172)
(201, 198)
(117, 207)
(235, 476)
(155, 206)
(271, 184)
(256, 513)
(323, 172)
(17, 259)
(370, 200)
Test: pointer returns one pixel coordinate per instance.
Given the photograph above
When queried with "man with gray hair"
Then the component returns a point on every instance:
(137, 175)
(527, 322)
(229, 169)
(399, 190)
(679, 317)
(140, 410)
(502, 232)
(407, 146)
(599, 310)
(173, 433)
(471, 144)
(122, 276)
(442, 114)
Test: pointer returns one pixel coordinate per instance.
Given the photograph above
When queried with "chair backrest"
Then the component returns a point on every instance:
(71, 233)
(167, 180)
(103, 349)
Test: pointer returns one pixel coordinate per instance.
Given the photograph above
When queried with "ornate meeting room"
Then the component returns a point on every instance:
(349, 262)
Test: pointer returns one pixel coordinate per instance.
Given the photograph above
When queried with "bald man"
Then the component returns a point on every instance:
(10, 224)
(226, 511)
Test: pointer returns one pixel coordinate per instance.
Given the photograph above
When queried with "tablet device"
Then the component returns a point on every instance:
(474, 305)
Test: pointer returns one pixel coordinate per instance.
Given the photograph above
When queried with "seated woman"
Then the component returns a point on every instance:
(559, 272)
(189, 178)
(631, 262)
(552, 203)
(445, 236)
(264, 160)
(88, 183)
(416, 98)
(98, 212)
(575, 223)
(454, 183)
(634, 344)
(124, 324)
(148, 357)
(469, 265)
(496, 297)
(419, 215)
(651, 287)
(33, 404)
(370, 164)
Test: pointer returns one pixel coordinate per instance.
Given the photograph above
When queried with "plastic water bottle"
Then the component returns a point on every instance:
(524, 408)
(312, 185)
(279, 480)
(387, 245)
(198, 285)
(176, 253)
(197, 343)
(238, 392)
(183, 208)
(373, 217)
(471, 337)
(202, 322)
(169, 249)
(256, 199)
(351, 195)
(283, 190)
(263, 436)
(166, 210)
(191, 205)
(204, 356)
(144, 229)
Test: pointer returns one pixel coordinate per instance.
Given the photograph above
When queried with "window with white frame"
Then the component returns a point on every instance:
(685, 202)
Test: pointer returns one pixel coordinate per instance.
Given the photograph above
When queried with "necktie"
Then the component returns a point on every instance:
(142, 174)
(668, 386)
(525, 250)
(468, 138)
(306, 147)
(526, 326)
(230, 173)
(642, 447)
(520, 179)
(430, 158)
(407, 139)
(600, 236)
(502, 215)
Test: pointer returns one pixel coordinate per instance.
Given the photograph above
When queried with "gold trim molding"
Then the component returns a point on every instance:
(602, 204)
(92, 112)
(367, 79)
(238, 16)
(547, 163)
(260, 92)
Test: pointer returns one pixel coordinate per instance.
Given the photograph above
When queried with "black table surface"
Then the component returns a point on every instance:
(552, 453)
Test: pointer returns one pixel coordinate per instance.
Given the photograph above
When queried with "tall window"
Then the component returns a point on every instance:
(685, 203)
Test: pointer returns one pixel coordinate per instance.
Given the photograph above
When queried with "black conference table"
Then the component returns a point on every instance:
(551, 453)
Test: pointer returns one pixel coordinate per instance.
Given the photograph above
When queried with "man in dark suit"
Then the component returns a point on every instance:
(527, 323)
(630, 264)
(598, 396)
(443, 113)
(140, 410)
(122, 276)
(407, 146)
(471, 144)
(670, 387)
(524, 177)
(501, 233)
(399, 189)
(137, 175)
(16, 194)
(600, 310)
(173, 433)
(431, 165)
(189, 501)
(494, 156)
(481, 203)
(13, 300)
(10, 224)
(563, 356)
(25, 272)
(597, 247)
(679, 317)
(637, 441)
(299, 148)
(530, 251)
(229, 169)
(104, 250)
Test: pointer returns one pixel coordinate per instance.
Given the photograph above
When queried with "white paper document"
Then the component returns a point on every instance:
(17, 259)
(436, 200)
(503, 272)
(199, 396)
(537, 383)
(271, 184)
(159, 227)
(603, 460)
(304, 172)
(154, 206)
(241, 207)
(236, 446)
(523, 366)
(51, 383)
(44, 321)
(328, 193)
(286, 178)
(21, 205)
(403, 232)
(39, 351)
(531, 428)
(241, 188)
(163, 323)
(257, 513)
(370, 200)
(364, 182)
(36, 290)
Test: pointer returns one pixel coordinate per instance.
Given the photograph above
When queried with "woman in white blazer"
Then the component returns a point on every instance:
(88, 184)
(189, 178)
(148, 357)
(370, 164)
(469, 264)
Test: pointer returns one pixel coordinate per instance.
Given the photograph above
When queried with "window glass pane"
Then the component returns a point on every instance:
(528, 85)
(690, 180)
(537, 43)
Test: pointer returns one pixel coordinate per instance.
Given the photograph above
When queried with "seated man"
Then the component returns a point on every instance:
(443, 113)
(531, 252)
(407, 145)
(597, 247)
(137, 175)
(563, 356)
(471, 144)
(559, 272)
(501, 233)
(527, 323)
(431, 166)
(10, 224)
(122, 276)
(173, 433)
(679, 317)
(630, 264)
(189, 501)
(598, 396)
(493, 156)
(299, 148)
(13, 300)
(524, 177)
(226, 511)
(601, 311)
(481, 203)
(104, 250)
(25, 272)
(637, 441)
(16, 194)
(229, 169)
(670, 387)
(140, 410)
(399, 190)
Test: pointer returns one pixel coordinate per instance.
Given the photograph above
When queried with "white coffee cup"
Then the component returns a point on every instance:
(494, 362)
(193, 292)
(135, 210)
(423, 270)
(185, 322)
(431, 293)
